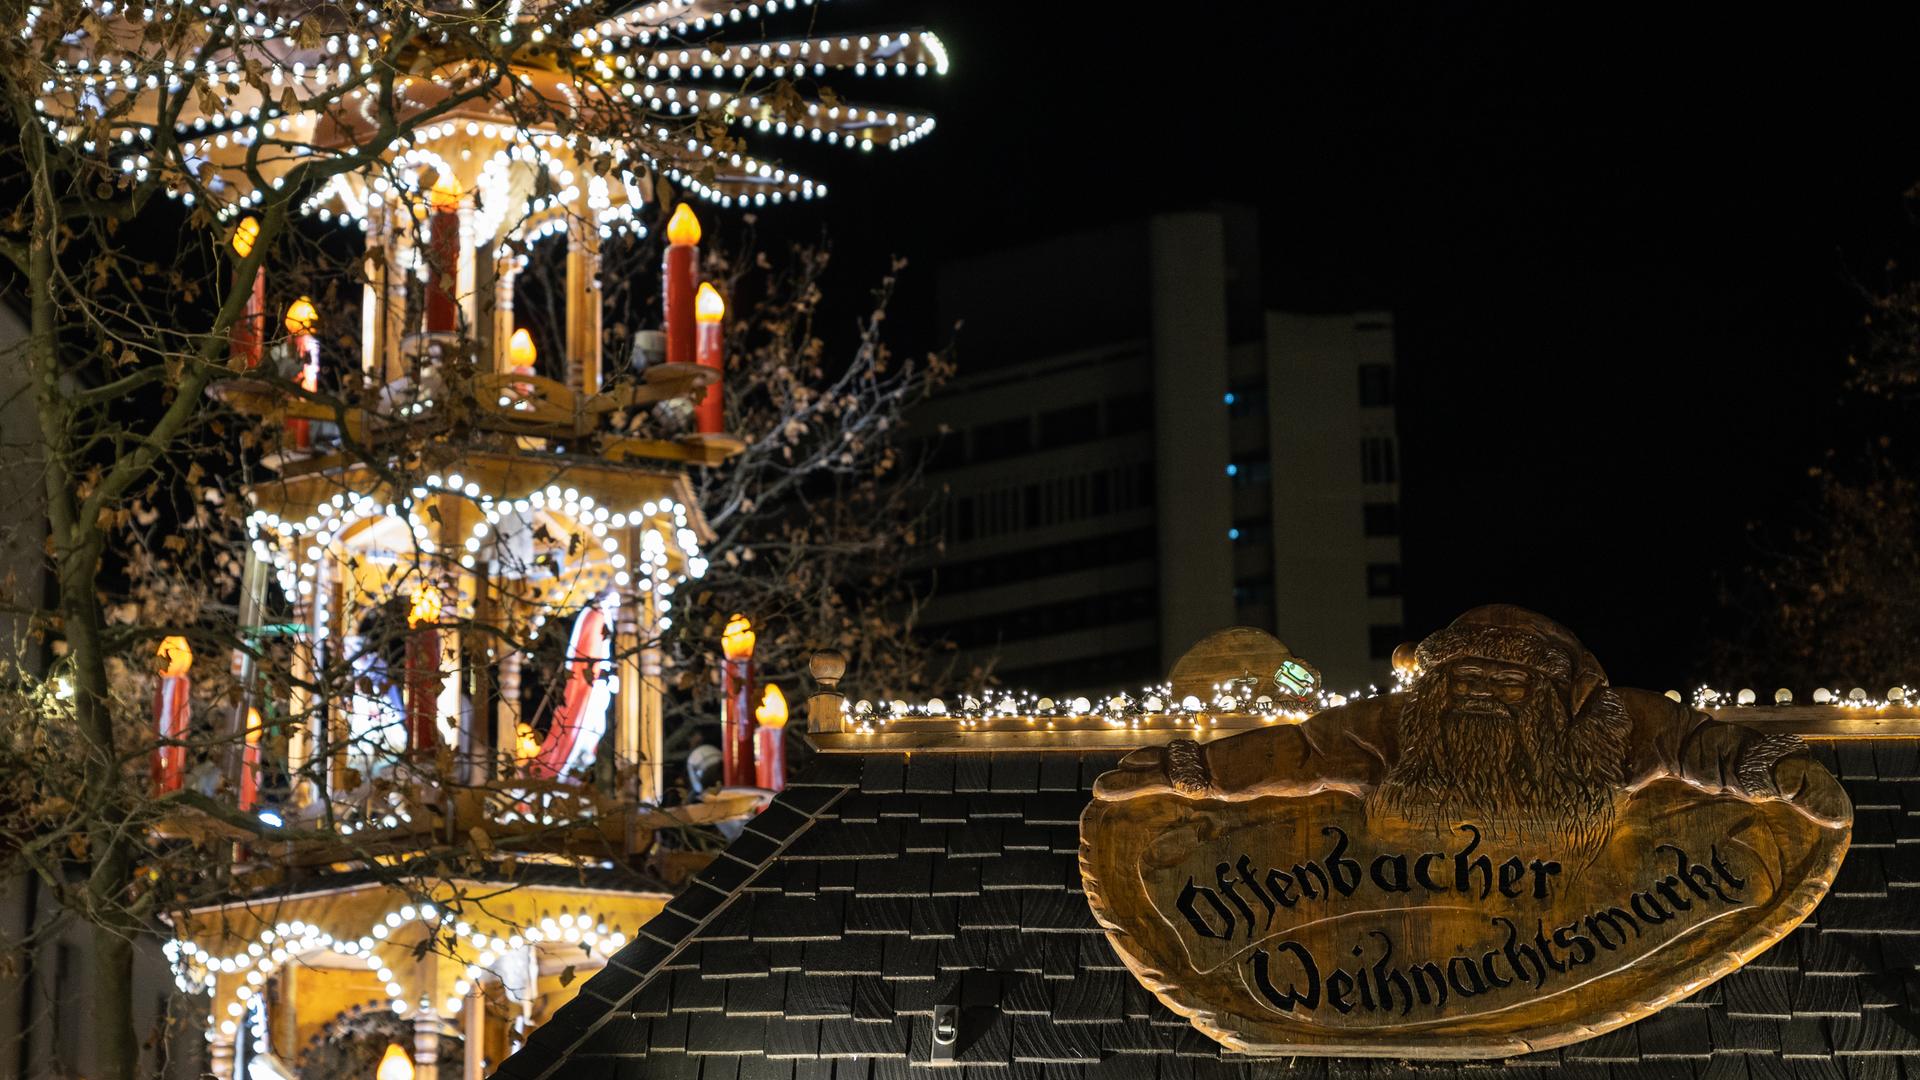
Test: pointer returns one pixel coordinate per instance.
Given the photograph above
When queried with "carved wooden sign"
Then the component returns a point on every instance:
(1511, 856)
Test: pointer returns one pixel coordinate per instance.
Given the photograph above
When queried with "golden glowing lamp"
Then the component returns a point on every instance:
(445, 194)
(521, 350)
(244, 234)
(1406, 662)
(709, 306)
(302, 317)
(736, 642)
(425, 607)
(526, 743)
(176, 656)
(394, 1064)
(773, 708)
(683, 227)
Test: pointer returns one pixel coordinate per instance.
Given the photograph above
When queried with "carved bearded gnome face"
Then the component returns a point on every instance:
(1511, 727)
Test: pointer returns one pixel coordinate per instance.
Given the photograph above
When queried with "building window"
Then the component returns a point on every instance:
(1063, 617)
(1129, 414)
(1064, 427)
(1377, 465)
(1382, 640)
(1383, 579)
(1248, 400)
(1252, 531)
(1005, 439)
(1380, 519)
(1376, 386)
(1251, 472)
(946, 451)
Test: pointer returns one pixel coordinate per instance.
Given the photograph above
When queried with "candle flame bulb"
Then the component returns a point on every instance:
(736, 642)
(521, 350)
(176, 656)
(683, 227)
(395, 1064)
(445, 194)
(773, 708)
(709, 306)
(425, 607)
(244, 234)
(302, 317)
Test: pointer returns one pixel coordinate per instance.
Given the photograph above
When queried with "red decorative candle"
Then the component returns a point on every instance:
(250, 762)
(736, 676)
(443, 313)
(709, 314)
(680, 269)
(302, 320)
(770, 766)
(171, 715)
(245, 337)
(423, 680)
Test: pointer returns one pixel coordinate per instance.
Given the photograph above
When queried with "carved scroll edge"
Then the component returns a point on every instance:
(1790, 910)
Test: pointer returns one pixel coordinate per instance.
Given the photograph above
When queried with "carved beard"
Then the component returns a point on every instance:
(1529, 771)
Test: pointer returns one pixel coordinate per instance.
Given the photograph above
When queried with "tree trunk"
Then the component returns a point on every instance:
(116, 1052)
(76, 553)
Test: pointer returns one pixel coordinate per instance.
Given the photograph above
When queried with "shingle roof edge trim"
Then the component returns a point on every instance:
(654, 946)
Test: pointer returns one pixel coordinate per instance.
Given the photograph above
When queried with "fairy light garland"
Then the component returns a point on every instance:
(630, 58)
(1156, 708)
(650, 569)
(198, 970)
(1707, 697)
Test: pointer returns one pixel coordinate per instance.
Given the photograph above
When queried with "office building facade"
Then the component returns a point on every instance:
(1139, 451)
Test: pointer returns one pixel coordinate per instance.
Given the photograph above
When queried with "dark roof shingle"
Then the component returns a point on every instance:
(880, 886)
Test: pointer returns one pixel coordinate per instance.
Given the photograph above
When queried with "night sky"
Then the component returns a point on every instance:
(1624, 251)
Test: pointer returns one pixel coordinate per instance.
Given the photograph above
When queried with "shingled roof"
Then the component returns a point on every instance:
(879, 885)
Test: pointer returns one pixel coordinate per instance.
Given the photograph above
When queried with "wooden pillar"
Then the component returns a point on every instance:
(452, 653)
(395, 277)
(338, 718)
(220, 1056)
(426, 1044)
(284, 1022)
(473, 1064)
(583, 309)
(504, 273)
(466, 273)
(253, 590)
(302, 713)
(627, 755)
(486, 313)
(476, 720)
(373, 323)
(506, 731)
(651, 700)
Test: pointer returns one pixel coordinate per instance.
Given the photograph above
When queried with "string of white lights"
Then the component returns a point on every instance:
(197, 970)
